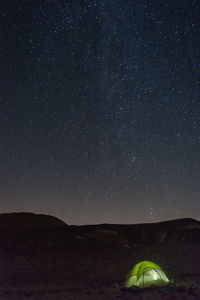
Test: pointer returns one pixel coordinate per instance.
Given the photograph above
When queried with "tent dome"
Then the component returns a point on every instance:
(146, 274)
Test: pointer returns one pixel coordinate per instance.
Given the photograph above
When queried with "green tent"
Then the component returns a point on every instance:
(146, 274)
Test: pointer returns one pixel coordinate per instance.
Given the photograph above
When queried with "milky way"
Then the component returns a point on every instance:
(99, 109)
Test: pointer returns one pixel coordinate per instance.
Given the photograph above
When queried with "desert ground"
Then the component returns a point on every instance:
(43, 258)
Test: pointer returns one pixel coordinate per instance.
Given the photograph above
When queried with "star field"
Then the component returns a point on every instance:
(100, 110)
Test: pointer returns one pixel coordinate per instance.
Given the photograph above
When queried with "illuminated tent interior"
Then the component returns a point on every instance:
(146, 274)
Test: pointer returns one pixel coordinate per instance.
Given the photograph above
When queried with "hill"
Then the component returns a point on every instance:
(28, 221)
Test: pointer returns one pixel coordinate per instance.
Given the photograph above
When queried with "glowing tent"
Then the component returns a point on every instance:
(146, 274)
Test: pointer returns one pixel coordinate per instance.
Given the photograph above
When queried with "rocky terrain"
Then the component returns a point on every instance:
(43, 258)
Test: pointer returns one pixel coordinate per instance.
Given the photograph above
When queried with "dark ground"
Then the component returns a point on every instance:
(91, 262)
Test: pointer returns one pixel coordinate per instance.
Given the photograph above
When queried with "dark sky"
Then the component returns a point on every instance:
(100, 109)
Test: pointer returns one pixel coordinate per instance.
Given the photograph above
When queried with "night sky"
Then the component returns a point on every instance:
(100, 110)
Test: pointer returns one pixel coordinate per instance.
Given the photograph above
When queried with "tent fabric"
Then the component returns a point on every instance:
(145, 274)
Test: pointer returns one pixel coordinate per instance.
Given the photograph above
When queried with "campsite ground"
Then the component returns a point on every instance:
(91, 262)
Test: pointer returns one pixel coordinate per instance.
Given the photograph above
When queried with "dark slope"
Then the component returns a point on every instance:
(142, 234)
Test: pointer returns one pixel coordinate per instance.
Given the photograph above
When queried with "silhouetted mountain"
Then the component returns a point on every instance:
(28, 221)
(129, 235)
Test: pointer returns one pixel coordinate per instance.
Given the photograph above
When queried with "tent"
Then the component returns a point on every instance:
(146, 274)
